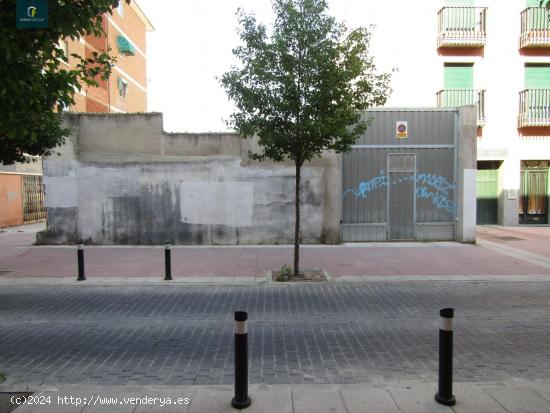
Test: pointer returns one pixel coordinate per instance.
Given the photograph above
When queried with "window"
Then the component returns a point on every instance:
(120, 8)
(125, 47)
(122, 88)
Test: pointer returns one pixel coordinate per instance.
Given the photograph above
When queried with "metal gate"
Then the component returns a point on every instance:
(33, 198)
(533, 200)
(401, 196)
(396, 188)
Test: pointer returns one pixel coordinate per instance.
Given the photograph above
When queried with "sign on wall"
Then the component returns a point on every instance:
(401, 130)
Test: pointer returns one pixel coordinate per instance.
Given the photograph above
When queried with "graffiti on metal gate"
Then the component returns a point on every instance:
(429, 186)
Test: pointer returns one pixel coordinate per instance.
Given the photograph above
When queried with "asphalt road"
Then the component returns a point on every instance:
(314, 333)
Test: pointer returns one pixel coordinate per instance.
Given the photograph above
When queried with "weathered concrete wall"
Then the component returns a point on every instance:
(466, 174)
(121, 180)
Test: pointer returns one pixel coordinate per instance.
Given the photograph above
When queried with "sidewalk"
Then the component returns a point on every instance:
(491, 257)
(520, 397)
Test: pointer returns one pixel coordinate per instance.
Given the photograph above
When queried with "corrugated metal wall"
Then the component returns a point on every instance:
(367, 180)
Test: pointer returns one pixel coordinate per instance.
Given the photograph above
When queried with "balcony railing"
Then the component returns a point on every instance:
(459, 97)
(462, 27)
(534, 108)
(535, 28)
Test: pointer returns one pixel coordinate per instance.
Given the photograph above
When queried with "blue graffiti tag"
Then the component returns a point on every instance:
(367, 187)
(434, 187)
(439, 200)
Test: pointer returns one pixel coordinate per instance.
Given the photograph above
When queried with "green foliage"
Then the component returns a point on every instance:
(2, 377)
(35, 82)
(300, 90)
(284, 273)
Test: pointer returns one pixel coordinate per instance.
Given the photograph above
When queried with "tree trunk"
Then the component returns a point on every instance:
(297, 224)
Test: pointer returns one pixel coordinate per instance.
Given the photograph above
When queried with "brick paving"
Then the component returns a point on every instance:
(532, 239)
(322, 333)
(19, 259)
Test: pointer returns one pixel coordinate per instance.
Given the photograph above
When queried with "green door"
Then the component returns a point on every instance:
(487, 196)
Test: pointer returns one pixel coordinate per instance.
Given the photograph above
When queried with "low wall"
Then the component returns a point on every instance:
(11, 200)
(119, 179)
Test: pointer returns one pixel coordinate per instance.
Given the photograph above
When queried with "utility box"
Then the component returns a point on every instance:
(411, 176)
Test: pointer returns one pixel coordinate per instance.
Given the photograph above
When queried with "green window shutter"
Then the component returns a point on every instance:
(460, 15)
(537, 17)
(458, 84)
(459, 76)
(124, 46)
(537, 76)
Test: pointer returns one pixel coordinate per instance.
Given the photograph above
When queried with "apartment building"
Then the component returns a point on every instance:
(491, 53)
(21, 188)
(126, 89)
(497, 56)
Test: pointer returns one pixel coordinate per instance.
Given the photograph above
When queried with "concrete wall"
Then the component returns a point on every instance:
(121, 180)
(466, 174)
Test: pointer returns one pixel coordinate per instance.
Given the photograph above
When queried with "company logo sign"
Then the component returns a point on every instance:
(32, 14)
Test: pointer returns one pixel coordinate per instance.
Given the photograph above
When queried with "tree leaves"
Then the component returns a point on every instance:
(300, 90)
(36, 83)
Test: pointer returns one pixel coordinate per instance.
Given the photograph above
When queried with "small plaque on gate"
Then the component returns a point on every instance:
(401, 130)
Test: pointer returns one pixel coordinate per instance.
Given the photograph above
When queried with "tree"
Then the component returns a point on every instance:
(35, 86)
(300, 90)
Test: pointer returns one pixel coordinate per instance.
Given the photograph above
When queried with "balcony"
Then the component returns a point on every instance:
(461, 27)
(535, 28)
(534, 108)
(459, 97)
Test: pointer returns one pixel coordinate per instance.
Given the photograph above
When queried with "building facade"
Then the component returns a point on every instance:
(490, 53)
(21, 187)
(498, 57)
(126, 89)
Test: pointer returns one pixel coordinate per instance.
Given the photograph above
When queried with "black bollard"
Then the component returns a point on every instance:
(444, 393)
(80, 257)
(167, 262)
(241, 399)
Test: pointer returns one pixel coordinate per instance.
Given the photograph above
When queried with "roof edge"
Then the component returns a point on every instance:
(148, 25)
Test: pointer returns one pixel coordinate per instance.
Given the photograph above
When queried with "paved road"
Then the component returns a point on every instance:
(322, 333)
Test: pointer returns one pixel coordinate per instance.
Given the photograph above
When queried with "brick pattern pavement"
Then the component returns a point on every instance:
(388, 259)
(322, 333)
(531, 239)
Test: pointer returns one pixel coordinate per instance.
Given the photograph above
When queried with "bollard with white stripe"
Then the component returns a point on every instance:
(167, 262)
(444, 393)
(80, 258)
(241, 399)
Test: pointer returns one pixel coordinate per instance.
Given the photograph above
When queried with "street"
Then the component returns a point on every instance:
(323, 333)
